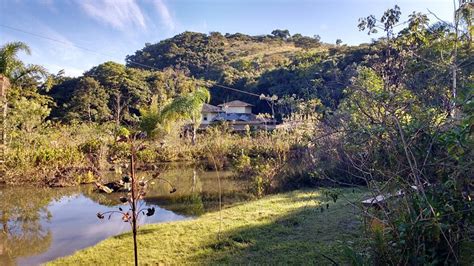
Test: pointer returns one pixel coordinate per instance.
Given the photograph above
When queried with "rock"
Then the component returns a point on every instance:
(71, 176)
(115, 186)
(103, 188)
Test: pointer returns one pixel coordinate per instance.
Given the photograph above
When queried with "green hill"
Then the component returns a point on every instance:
(277, 64)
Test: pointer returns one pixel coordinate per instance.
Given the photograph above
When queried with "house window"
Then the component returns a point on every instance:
(205, 118)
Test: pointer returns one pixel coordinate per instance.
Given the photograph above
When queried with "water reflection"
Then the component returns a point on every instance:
(198, 191)
(74, 226)
(21, 213)
(39, 225)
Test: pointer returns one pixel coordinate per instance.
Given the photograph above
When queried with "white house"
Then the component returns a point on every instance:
(237, 114)
(236, 107)
(209, 112)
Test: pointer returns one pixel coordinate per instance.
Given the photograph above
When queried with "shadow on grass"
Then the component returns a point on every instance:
(291, 228)
(309, 235)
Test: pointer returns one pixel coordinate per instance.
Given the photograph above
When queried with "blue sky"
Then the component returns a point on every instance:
(115, 28)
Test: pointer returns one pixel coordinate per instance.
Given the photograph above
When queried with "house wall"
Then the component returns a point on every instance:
(238, 110)
(207, 118)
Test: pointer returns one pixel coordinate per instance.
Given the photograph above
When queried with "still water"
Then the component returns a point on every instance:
(41, 224)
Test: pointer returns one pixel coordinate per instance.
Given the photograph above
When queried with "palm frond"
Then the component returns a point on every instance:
(8, 56)
(185, 107)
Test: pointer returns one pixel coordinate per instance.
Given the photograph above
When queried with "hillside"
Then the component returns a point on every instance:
(270, 64)
(351, 154)
(208, 55)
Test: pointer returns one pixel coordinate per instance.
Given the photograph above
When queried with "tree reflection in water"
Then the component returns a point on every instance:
(29, 234)
(198, 191)
(22, 211)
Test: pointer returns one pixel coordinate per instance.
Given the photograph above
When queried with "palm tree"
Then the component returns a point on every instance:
(187, 107)
(12, 70)
(9, 61)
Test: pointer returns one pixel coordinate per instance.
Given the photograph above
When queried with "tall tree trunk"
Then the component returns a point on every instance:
(4, 85)
(195, 125)
(118, 107)
(454, 66)
(193, 135)
(89, 113)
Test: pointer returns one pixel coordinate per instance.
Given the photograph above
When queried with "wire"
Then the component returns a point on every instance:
(54, 40)
(144, 65)
(111, 56)
(233, 89)
(74, 45)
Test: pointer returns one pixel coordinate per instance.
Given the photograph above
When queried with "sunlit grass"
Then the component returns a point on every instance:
(284, 228)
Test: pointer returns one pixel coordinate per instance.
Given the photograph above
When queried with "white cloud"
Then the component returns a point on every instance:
(62, 53)
(66, 50)
(165, 14)
(49, 4)
(120, 14)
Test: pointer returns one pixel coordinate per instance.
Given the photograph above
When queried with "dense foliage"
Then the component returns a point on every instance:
(395, 115)
(277, 64)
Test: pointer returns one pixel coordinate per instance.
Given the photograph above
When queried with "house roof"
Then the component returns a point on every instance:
(208, 108)
(236, 103)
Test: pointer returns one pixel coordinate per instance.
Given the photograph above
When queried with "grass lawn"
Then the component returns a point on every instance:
(293, 227)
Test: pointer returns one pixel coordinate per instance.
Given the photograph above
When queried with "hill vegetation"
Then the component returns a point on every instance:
(395, 116)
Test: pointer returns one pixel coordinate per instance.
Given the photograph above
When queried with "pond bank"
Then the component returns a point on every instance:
(294, 227)
(42, 224)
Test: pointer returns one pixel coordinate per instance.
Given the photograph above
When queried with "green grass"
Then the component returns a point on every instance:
(278, 229)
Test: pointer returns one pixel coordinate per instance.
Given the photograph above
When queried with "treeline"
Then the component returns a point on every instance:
(294, 68)
(114, 92)
(272, 65)
(395, 116)
(275, 64)
(278, 64)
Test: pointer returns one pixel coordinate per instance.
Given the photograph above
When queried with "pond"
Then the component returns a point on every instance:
(41, 224)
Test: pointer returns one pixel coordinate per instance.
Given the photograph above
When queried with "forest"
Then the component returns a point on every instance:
(393, 116)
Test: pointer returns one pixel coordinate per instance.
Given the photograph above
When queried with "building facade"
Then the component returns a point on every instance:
(237, 114)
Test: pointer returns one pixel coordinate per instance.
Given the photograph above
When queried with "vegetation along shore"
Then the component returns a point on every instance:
(278, 148)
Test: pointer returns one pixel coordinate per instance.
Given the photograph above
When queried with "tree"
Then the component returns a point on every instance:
(187, 107)
(282, 34)
(9, 62)
(465, 15)
(27, 114)
(22, 82)
(89, 101)
(12, 67)
(305, 41)
(193, 53)
(150, 118)
(4, 86)
(126, 87)
(138, 188)
(391, 124)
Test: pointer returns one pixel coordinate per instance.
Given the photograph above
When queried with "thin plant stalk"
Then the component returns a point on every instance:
(136, 192)
(220, 192)
(134, 203)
